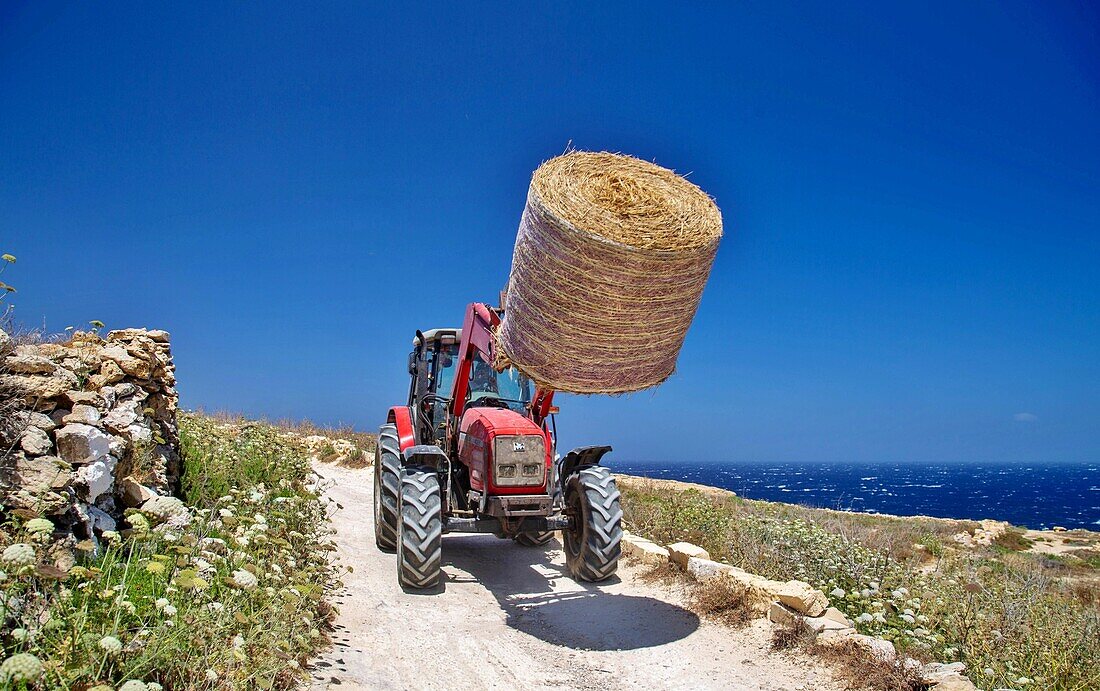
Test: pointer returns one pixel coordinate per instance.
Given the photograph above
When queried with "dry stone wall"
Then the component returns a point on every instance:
(87, 427)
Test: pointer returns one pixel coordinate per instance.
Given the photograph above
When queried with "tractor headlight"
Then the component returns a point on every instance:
(519, 461)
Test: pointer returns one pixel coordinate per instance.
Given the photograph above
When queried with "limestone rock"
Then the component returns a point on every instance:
(134, 493)
(34, 419)
(680, 552)
(109, 373)
(6, 345)
(83, 397)
(35, 441)
(779, 613)
(800, 597)
(935, 672)
(29, 364)
(82, 413)
(644, 550)
(79, 443)
(124, 414)
(838, 616)
(955, 682)
(877, 647)
(135, 367)
(39, 474)
(38, 387)
(97, 477)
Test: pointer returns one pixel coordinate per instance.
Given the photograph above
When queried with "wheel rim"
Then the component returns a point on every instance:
(574, 535)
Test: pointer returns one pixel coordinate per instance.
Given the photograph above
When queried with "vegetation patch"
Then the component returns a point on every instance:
(222, 590)
(1007, 615)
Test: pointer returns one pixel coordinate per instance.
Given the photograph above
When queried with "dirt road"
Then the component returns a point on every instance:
(510, 617)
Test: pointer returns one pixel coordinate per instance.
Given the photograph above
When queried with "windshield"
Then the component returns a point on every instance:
(510, 386)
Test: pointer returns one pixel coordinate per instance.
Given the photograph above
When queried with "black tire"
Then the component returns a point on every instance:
(387, 487)
(420, 537)
(534, 539)
(592, 543)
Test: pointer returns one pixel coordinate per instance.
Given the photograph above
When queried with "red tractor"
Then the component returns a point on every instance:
(473, 451)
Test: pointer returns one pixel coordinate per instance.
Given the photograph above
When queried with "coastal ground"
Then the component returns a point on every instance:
(509, 616)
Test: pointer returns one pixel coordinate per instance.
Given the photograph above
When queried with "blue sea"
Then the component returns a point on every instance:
(1038, 496)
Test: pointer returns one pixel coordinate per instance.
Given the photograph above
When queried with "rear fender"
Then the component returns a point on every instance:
(401, 417)
(578, 459)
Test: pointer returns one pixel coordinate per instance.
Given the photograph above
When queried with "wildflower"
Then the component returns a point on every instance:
(170, 611)
(164, 508)
(139, 523)
(19, 634)
(864, 618)
(21, 667)
(215, 606)
(39, 526)
(225, 513)
(154, 686)
(988, 671)
(111, 645)
(837, 592)
(18, 554)
(238, 641)
(245, 579)
(111, 535)
(133, 685)
(161, 603)
(211, 675)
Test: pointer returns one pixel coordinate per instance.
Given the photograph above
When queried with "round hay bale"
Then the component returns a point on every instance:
(610, 261)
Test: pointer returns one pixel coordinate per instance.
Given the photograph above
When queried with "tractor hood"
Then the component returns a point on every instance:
(506, 452)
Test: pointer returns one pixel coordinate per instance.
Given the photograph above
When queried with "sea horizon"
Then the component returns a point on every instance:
(1036, 495)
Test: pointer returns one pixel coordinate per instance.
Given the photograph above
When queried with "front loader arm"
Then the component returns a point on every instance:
(478, 339)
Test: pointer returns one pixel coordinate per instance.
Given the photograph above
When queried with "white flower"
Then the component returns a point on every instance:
(39, 526)
(111, 645)
(864, 618)
(169, 610)
(21, 667)
(238, 641)
(111, 535)
(211, 675)
(837, 592)
(19, 634)
(154, 686)
(161, 603)
(19, 554)
(245, 579)
(225, 513)
(133, 685)
(164, 507)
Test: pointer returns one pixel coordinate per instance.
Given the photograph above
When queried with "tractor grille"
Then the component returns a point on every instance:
(519, 461)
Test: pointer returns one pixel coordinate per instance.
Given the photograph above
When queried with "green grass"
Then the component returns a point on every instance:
(234, 599)
(1002, 613)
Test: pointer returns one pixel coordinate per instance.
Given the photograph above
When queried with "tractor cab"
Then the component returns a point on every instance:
(433, 364)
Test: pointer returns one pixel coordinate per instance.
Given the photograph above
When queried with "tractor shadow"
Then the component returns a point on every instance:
(540, 599)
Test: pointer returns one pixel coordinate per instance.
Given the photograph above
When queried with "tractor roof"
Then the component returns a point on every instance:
(447, 335)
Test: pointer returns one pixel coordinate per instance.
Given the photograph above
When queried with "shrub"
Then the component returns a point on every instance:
(225, 594)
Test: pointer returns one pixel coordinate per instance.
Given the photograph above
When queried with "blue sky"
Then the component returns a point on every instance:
(912, 201)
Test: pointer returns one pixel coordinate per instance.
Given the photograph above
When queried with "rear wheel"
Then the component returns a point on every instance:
(420, 538)
(592, 542)
(387, 487)
(534, 539)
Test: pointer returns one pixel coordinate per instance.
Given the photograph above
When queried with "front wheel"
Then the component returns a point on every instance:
(387, 487)
(592, 541)
(420, 538)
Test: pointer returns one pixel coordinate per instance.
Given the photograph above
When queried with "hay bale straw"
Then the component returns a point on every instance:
(610, 262)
